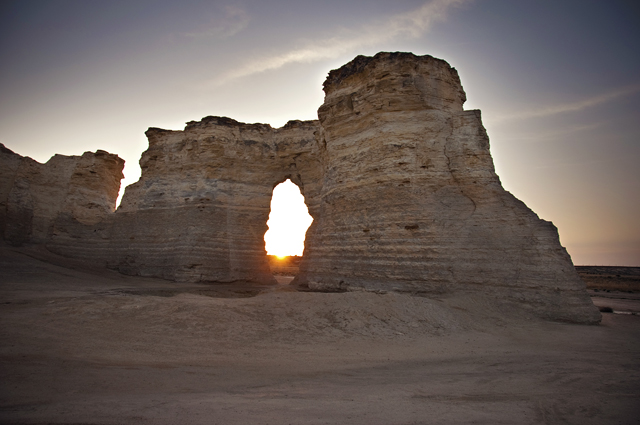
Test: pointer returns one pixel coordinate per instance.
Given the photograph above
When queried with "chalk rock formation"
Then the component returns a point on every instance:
(410, 200)
(34, 195)
(396, 174)
(199, 210)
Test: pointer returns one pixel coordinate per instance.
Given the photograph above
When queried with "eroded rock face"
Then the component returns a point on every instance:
(34, 195)
(397, 176)
(411, 202)
(200, 208)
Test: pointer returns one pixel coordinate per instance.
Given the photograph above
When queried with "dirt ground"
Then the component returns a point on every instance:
(83, 346)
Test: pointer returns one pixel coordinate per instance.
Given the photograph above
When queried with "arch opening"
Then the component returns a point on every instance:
(288, 222)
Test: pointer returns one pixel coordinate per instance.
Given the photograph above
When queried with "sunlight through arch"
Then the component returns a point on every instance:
(288, 222)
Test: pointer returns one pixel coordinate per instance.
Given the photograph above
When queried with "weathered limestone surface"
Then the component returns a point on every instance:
(396, 174)
(199, 210)
(34, 195)
(411, 202)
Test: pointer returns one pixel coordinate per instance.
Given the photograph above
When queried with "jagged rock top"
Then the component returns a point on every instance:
(224, 121)
(390, 82)
(212, 121)
(360, 62)
(300, 123)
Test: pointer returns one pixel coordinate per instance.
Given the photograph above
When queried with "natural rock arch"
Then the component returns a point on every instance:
(397, 176)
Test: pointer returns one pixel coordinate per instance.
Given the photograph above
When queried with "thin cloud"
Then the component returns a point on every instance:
(555, 136)
(234, 20)
(567, 164)
(411, 25)
(573, 107)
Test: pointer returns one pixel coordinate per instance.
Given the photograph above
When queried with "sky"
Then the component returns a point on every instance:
(557, 81)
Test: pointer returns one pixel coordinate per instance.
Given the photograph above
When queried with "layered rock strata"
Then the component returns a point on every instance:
(396, 174)
(34, 195)
(410, 200)
(199, 210)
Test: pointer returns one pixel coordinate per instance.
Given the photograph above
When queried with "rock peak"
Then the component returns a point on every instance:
(211, 121)
(399, 74)
(361, 62)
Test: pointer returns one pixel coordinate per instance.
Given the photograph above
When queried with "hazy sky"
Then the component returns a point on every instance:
(558, 83)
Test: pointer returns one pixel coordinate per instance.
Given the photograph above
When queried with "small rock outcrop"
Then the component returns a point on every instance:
(34, 195)
(398, 178)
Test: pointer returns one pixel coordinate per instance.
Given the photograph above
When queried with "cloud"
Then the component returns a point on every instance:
(572, 107)
(411, 24)
(557, 135)
(234, 20)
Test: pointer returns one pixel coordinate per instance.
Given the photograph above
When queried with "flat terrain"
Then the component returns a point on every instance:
(610, 278)
(83, 346)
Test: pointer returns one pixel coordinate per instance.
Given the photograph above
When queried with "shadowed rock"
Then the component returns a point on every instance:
(34, 195)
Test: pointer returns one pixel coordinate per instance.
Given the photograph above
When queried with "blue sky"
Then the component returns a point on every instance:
(558, 83)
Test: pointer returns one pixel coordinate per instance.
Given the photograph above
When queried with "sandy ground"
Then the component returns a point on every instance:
(95, 347)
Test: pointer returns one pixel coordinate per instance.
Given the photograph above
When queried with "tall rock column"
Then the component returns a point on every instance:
(410, 200)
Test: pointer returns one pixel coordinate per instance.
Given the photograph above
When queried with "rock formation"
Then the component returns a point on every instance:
(200, 208)
(410, 200)
(397, 176)
(34, 195)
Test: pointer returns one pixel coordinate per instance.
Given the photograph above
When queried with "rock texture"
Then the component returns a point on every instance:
(199, 210)
(410, 200)
(34, 195)
(396, 174)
